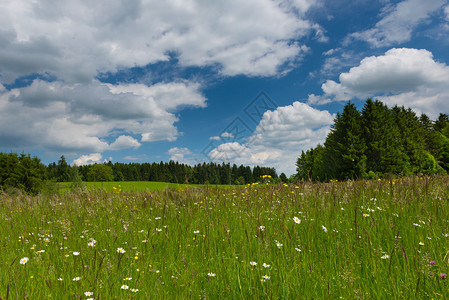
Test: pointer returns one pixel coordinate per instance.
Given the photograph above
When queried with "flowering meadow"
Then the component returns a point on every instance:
(378, 239)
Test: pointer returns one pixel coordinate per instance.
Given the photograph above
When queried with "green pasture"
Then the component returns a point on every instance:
(138, 186)
(341, 240)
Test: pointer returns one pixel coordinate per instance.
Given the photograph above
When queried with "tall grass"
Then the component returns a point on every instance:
(351, 240)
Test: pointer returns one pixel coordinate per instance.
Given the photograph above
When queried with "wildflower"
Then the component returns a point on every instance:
(76, 253)
(124, 287)
(279, 245)
(265, 265)
(24, 260)
(196, 231)
(421, 243)
(443, 275)
(158, 229)
(297, 249)
(127, 278)
(324, 228)
(60, 279)
(144, 241)
(365, 215)
(121, 250)
(211, 274)
(91, 243)
(88, 294)
(297, 220)
(253, 263)
(385, 256)
(76, 279)
(41, 251)
(262, 228)
(134, 290)
(432, 262)
(265, 277)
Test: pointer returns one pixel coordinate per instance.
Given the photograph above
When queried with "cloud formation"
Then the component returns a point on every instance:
(74, 40)
(409, 77)
(54, 116)
(398, 22)
(279, 138)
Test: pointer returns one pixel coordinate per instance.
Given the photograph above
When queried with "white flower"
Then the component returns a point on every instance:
(196, 231)
(76, 279)
(297, 249)
(158, 229)
(76, 253)
(120, 250)
(421, 243)
(279, 245)
(211, 274)
(265, 277)
(297, 220)
(127, 278)
(262, 228)
(88, 294)
(253, 263)
(385, 256)
(134, 290)
(60, 279)
(124, 287)
(265, 265)
(324, 228)
(24, 260)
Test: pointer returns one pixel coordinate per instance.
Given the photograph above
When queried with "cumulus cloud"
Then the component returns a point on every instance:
(398, 22)
(279, 138)
(409, 77)
(56, 116)
(124, 142)
(446, 11)
(179, 154)
(94, 158)
(74, 40)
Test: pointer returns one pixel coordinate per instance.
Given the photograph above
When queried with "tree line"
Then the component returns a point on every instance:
(21, 171)
(377, 141)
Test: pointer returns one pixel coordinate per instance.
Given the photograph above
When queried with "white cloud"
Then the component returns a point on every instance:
(408, 77)
(124, 142)
(279, 138)
(74, 40)
(94, 158)
(446, 11)
(398, 23)
(55, 116)
(179, 155)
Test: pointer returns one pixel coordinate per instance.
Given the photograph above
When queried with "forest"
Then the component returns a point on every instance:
(30, 175)
(378, 141)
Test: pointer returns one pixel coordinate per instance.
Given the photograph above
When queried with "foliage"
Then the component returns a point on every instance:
(21, 172)
(100, 172)
(378, 142)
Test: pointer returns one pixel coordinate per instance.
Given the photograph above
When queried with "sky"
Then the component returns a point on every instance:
(251, 82)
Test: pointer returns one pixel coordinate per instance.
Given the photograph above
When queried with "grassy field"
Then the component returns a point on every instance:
(137, 186)
(351, 240)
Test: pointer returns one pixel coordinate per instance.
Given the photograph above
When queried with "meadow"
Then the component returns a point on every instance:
(377, 239)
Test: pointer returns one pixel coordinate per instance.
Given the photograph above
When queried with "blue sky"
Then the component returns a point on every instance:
(250, 82)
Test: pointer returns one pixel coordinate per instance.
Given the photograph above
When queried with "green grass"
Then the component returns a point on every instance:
(355, 240)
(136, 186)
